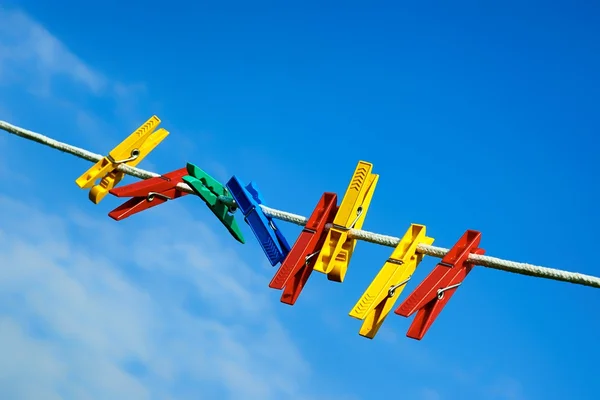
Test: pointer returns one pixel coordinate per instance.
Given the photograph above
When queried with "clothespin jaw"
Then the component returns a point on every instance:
(379, 298)
(130, 151)
(267, 232)
(209, 190)
(430, 297)
(297, 267)
(148, 193)
(337, 250)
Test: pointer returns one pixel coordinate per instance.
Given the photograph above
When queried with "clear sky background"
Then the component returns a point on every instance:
(476, 116)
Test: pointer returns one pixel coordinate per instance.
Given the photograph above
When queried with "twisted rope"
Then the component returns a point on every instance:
(385, 240)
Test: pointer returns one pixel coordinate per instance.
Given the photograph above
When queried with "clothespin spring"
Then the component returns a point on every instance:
(393, 288)
(135, 153)
(152, 195)
(308, 257)
(359, 211)
(229, 202)
(440, 292)
(272, 225)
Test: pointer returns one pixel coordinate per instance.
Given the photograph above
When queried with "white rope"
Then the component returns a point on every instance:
(391, 241)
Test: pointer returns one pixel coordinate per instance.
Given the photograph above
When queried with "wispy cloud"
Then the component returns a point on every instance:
(506, 388)
(26, 44)
(34, 58)
(97, 332)
(430, 394)
(34, 63)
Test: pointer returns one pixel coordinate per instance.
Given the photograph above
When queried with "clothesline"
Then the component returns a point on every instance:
(385, 240)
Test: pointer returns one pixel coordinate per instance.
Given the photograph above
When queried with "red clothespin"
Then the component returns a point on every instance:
(148, 193)
(295, 270)
(430, 297)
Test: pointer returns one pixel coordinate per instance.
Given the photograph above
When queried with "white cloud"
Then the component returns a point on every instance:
(36, 66)
(30, 56)
(506, 388)
(23, 42)
(430, 394)
(17, 371)
(73, 319)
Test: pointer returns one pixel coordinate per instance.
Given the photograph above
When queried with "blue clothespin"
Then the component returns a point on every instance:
(264, 228)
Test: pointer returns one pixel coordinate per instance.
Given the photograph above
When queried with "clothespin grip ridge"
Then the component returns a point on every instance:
(379, 298)
(337, 250)
(148, 193)
(130, 151)
(209, 190)
(268, 234)
(297, 267)
(434, 292)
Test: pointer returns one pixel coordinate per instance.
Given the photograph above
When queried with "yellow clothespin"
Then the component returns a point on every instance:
(379, 298)
(130, 152)
(336, 252)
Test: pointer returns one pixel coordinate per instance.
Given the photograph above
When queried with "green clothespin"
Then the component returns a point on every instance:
(209, 190)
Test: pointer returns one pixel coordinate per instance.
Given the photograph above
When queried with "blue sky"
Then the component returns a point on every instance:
(476, 117)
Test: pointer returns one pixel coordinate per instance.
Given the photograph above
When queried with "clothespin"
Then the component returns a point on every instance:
(295, 270)
(379, 298)
(269, 236)
(148, 193)
(130, 151)
(335, 255)
(209, 190)
(430, 297)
